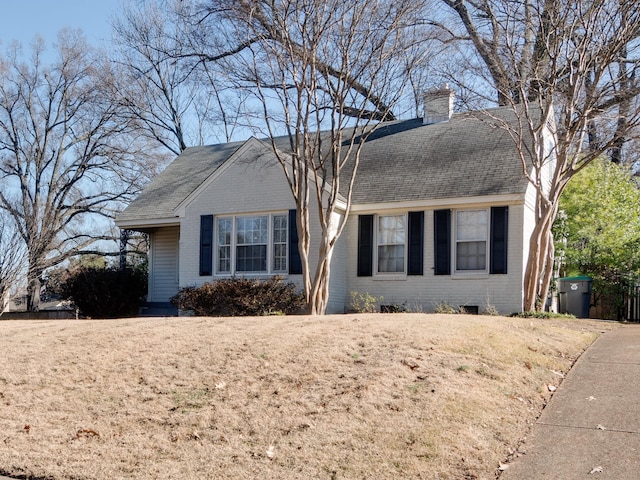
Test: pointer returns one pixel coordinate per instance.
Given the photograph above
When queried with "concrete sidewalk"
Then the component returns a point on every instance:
(591, 427)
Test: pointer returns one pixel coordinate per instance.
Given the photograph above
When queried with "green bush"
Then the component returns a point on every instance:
(105, 292)
(235, 297)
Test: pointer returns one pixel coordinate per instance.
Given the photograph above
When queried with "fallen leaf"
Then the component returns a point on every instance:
(410, 363)
(271, 451)
(596, 470)
(87, 433)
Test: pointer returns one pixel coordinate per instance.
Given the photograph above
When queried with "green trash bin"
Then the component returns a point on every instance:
(574, 295)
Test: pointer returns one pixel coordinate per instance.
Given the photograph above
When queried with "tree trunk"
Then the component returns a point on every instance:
(547, 272)
(539, 270)
(624, 109)
(33, 293)
(318, 301)
(304, 244)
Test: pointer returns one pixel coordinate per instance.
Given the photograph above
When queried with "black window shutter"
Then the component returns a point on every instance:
(365, 245)
(498, 241)
(295, 262)
(416, 243)
(442, 241)
(206, 245)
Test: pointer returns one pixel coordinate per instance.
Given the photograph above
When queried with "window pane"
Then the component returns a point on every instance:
(224, 245)
(280, 238)
(471, 225)
(471, 256)
(224, 259)
(251, 258)
(391, 243)
(251, 230)
(224, 231)
(471, 240)
(391, 229)
(263, 229)
(251, 244)
(280, 258)
(279, 228)
(390, 258)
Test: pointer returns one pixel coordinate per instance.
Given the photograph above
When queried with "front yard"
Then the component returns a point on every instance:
(337, 397)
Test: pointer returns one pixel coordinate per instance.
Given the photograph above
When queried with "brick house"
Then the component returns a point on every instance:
(441, 214)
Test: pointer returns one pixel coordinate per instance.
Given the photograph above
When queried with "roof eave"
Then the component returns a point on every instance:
(485, 200)
(142, 224)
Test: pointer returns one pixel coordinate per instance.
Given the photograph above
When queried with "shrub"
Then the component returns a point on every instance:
(240, 297)
(444, 307)
(105, 292)
(490, 309)
(414, 307)
(543, 315)
(364, 302)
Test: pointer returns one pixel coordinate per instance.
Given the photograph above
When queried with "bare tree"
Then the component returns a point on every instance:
(162, 90)
(579, 56)
(65, 157)
(12, 256)
(152, 87)
(324, 72)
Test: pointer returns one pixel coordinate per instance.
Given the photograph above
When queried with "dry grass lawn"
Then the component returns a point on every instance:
(393, 396)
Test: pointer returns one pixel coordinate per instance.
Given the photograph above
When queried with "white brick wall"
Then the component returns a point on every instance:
(250, 185)
(338, 289)
(255, 185)
(245, 187)
(427, 291)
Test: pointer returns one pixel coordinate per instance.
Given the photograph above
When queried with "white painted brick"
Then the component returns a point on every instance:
(501, 291)
(255, 187)
(247, 188)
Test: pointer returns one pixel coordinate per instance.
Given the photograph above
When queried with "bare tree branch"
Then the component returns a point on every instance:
(568, 54)
(66, 157)
(324, 73)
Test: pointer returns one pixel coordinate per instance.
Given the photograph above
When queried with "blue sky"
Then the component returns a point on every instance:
(22, 19)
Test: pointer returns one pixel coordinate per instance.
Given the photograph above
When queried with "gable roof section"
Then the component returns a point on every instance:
(175, 183)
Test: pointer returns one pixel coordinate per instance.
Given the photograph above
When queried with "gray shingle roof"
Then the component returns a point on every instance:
(464, 157)
(177, 181)
(401, 161)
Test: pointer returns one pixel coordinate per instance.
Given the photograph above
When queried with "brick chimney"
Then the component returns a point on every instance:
(438, 105)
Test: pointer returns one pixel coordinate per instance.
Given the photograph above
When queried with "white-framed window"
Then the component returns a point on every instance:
(280, 240)
(471, 240)
(391, 240)
(224, 229)
(252, 244)
(251, 239)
